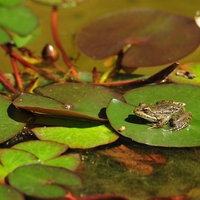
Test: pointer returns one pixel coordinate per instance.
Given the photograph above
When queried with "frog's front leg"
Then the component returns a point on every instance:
(180, 121)
(160, 122)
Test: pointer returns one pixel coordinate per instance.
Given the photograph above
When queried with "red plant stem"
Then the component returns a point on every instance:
(54, 19)
(29, 65)
(95, 76)
(17, 74)
(6, 83)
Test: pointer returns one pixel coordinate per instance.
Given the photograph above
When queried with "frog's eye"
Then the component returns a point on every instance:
(146, 109)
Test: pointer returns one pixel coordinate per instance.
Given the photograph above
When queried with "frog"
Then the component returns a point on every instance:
(165, 112)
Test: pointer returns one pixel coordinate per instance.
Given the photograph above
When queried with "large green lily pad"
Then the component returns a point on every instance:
(69, 99)
(123, 120)
(153, 37)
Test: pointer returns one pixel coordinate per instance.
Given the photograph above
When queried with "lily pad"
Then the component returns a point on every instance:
(12, 120)
(18, 19)
(10, 2)
(43, 181)
(4, 37)
(44, 150)
(188, 73)
(10, 159)
(68, 161)
(123, 120)
(70, 99)
(81, 138)
(151, 37)
(10, 193)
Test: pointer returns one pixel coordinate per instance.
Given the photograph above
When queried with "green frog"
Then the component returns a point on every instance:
(163, 112)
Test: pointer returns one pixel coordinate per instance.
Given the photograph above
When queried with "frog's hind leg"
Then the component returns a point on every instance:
(180, 121)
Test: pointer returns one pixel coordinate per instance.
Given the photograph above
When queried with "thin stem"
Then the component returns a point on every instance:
(28, 65)
(54, 19)
(17, 74)
(6, 83)
(95, 76)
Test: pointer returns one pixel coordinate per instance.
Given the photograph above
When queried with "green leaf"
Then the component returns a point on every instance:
(43, 181)
(192, 68)
(44, 150)
(120, 114)
(21, 41)
(18, 19)
(69, 99)
(10, 2)
(69, 161)
(4, 37)
(9, 193)
(10, 159)
(81, 138)
(12, 120)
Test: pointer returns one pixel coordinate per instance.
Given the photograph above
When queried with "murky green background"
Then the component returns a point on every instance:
(72, 19)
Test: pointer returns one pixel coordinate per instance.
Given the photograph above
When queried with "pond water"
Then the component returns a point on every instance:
(72, 19)
(102, 174)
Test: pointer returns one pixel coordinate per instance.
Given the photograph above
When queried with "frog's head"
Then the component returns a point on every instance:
(146, 112)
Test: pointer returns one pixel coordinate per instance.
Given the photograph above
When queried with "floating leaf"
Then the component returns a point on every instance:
(44, 150)
(70, 99)
(18, 19)
(69, 161)
(9, 193)
(10, 159)
(10, 2)
(12, 120)
(43, 181)
(188, 73)
(154, 37)
(21, 41)
(81, 138)
(4, 37)
(120, 115)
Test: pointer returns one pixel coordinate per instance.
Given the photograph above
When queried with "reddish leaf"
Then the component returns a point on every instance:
(154, 37)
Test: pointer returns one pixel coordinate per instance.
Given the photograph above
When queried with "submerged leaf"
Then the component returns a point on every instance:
(151, 37)
(43, 181)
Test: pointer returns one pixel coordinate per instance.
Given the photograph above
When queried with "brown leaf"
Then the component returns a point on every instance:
(138, 163)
